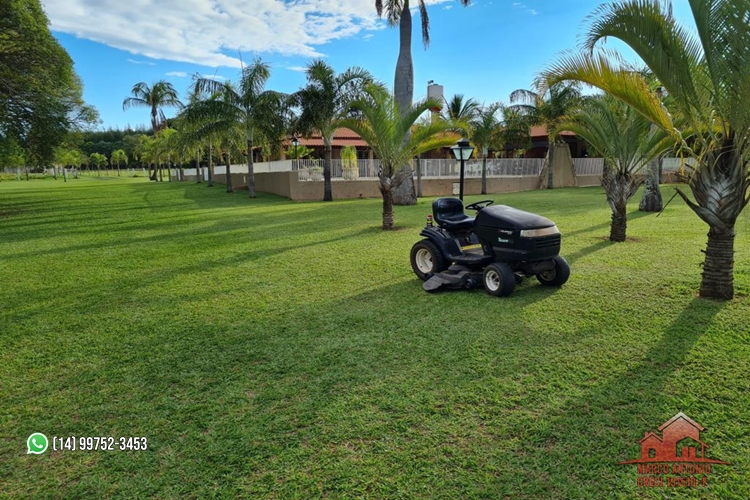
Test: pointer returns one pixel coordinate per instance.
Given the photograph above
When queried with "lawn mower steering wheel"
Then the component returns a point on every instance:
(479, 205)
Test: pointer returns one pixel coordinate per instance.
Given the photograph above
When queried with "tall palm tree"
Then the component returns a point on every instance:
(325, 102)
(628, 141)
(484, 131)
(388, 129)
(708, 78)
(160, 95)
(240, 104)
(547, 105)
(397, 12)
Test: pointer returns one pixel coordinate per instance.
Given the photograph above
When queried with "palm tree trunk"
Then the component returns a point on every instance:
(198, 168)
(161, 172)
(327, 191)
(619, 187)
(403, 90)
(250, 172)
(227, 162)
(387, 206)
(419, 176)
(403, 85)
(651, 200)
(484, 174)
(118, 170)
(718, 268)
(210, 167)
(619, 224)
(550, 165)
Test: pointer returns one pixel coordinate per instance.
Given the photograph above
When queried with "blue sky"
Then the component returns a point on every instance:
(484, 51)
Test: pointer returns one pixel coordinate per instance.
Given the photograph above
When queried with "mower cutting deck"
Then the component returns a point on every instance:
(495, 249)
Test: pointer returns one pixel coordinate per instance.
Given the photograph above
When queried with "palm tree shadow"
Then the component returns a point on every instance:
(602, 427)
(583, 252)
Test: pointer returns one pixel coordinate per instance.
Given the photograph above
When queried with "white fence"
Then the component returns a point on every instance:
(588, 166)
(312, 170)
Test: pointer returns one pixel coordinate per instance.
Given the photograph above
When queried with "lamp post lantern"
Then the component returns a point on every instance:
(295, 142)
(462, 151)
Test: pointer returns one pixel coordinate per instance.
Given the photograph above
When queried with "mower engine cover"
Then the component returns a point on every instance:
(516, 235)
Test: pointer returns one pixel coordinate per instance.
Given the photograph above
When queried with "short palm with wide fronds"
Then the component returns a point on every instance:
(547, 105)
(628, 141)
(324, 102)
(707, 77)
(390, 132)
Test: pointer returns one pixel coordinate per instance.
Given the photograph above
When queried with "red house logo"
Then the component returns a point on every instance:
(677, 457)
(680, 442)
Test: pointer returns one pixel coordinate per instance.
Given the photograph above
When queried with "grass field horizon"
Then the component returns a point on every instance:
(275, 349)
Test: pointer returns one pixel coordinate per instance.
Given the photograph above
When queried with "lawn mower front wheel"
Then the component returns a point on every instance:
(426, 259)
(499, 279)
(558, 275)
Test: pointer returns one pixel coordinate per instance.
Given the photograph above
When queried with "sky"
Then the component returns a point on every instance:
(484, 51)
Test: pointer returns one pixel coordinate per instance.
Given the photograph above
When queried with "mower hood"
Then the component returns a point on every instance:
(509, 218)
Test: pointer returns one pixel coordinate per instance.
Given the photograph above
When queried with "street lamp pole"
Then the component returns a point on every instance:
(295, 141)
(462, 151)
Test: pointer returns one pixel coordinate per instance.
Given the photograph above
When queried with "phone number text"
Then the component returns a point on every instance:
(99, 443)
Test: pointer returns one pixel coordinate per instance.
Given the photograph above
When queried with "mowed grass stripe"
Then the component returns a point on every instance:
(273, 349)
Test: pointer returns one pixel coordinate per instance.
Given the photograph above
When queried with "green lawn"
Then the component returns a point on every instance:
(271, 349)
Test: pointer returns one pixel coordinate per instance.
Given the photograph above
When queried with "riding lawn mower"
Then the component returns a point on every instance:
(496, 249)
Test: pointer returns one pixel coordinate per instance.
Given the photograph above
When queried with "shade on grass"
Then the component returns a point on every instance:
(271, 349)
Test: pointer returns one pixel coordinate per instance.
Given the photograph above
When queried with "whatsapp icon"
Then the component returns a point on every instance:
(36, 444)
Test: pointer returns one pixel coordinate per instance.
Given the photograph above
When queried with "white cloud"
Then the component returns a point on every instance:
(210, 32)
(134, 61)
(214, 77)
(525, 8)
(301, 69)
(179, 74)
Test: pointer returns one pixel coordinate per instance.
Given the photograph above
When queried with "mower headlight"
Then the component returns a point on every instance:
(536, 233)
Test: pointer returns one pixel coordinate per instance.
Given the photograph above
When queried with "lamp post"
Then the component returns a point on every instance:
(462, 151)
(295, 142)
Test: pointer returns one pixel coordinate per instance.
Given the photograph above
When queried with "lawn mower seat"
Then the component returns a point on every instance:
(449, 214)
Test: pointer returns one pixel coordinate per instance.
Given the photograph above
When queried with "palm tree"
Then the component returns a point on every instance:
(218, 121)
(514, 134)
(397, 12)
(547, 106)
(119, 156)
(460, 112)
(161, 94)
(387, 128)
(483, 132)
(628, 141)
(98, 159)
(241, 104)
(325, 102)
(708, 78)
